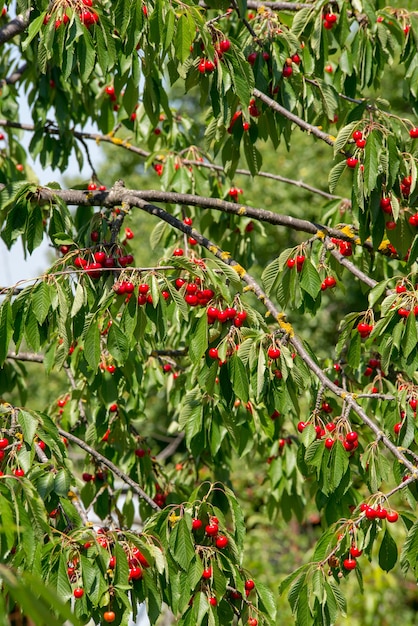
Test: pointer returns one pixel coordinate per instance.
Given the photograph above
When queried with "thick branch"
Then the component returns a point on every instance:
(14, 27)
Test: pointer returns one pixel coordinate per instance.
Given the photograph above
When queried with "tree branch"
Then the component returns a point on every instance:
(115, 470)
(126, 145)
(14, 27)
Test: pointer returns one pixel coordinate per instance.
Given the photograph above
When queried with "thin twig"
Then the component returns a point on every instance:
(113, 468)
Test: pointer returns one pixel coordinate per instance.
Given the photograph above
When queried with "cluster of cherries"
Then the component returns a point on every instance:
(211, 532)
(88, 18)
(345, 247)
(364, 329)
(350, 441)
(100, 259)
(136, 560)
(329, 20)
(298, 261)
(328, 283)
(5, 447)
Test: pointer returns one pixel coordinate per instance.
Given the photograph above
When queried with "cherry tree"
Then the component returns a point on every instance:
(207, 344)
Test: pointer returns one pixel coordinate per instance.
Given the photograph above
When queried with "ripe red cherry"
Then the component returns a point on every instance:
(209, 65)
(109, 616)
(273, 353)
(386, 205)
(351, 162)
(207, 573)
(213, 353)
(112, 562)
(352, 436)
(361, 143)
(301, 426)
(413, 133)
(4, 442)
(349, 564)
(197, 524)
(355, 552)
(249, 584)
(178, 252)
(18, 472)
(252, 57)
(100, 256)
(135, 573)
(296, 59)
(78, 592)
(381, 513)
(392, 516)
(287, 71)
(357, 134)
(222, 542)
(290, 263)
(224, 45)
(213, 601)
(329, 443)
(252, 621)
(371, 513)
(212, 529)
(330, 281)
(87, 477)
(413, 403)
(330, 17)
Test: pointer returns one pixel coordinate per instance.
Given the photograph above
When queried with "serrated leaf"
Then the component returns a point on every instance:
(185, 35)
(92, 350)
(199, 339)
(41, 301)
(371, 161)
(335, 175)
(343, 136)
(181, 544)
(310, 280)
(239, 378)
(117, 343)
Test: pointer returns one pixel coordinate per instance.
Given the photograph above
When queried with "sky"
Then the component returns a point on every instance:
(13, 265)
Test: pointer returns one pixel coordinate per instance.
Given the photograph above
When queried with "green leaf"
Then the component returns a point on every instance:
(117, 343)
(185, 35)
(344, 134)
(198, 339)
(371, 160)
(335, 175)
(388, 552)
(409, 554)
(92, 350)
(239, 378)
(41, 301)
(28, 424)
(181, 544)
(310, 280)
(6, 329)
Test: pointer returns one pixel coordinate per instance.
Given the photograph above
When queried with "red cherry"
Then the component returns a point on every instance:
(207, 573)
(109, 616)
(178, 252)
(78, 592)
(371, 513)
(357, 134)
(355, 552)
(349, 564)
(4, 442)
(112, 562)
(397, 428)
(413, 404)
(296, 59)
(381, 513)
(18, 472)
(100, 257)
(209, 66)
(252, 57)
(290, 263)
(222, 542)
(330, 17)
(361, 143)
(135, 573)
(273, 353)
(212, 529)
(329, 443)
(330, 281)
(386, 205)
(301, 426)
(197, 524)
(352, 436)
(287, 71)
(213, 601)
(392, 516)
(87, 477)
(249, 584)
(413, 133)
(252, 621)
(213, 353)
(351, 162)
(224, 45)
